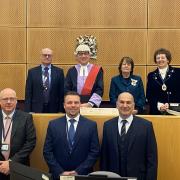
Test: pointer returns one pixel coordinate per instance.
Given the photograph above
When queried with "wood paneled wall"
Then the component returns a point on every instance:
(133, 28)
(167, 132)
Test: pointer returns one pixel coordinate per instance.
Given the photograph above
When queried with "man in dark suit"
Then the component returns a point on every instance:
(17, 132)
(71, 145)
(85, 78)
(129, 146)
(45, 86)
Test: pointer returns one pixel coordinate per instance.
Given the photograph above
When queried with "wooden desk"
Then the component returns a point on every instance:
(167, 131)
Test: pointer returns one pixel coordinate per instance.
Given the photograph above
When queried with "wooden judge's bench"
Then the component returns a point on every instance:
(167, 131)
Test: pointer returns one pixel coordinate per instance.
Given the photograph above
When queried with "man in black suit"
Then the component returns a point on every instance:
(71, 145)
(85, 78)
(17, 132)
(129, 146)
(45, 86)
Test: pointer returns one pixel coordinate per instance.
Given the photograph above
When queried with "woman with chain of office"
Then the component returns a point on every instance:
(163, 83)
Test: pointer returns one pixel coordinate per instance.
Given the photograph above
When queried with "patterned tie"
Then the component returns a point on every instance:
(7, 136)
(123, 128)
(71, 134)
(46, 85)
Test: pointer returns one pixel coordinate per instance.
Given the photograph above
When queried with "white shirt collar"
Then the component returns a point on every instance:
(129, 119)
(163, 71)
(10, 115)
(76, 118)
(83, 70)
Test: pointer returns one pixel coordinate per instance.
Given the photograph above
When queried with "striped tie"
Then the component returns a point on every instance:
(123, 128)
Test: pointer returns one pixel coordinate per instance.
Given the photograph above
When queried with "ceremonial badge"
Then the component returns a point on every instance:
(164, 87)
(134, 82)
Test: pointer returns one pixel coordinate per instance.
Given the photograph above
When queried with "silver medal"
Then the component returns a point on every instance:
(164, 87)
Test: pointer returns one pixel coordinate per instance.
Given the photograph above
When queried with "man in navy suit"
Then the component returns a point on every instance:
(68, 154)
(129, 146)
(17, 132)
(45, 86)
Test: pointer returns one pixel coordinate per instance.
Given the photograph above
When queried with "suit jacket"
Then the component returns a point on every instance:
(154, 92)
(23, 138)
(71, 83)
(85, 149)
(142, 149)
(34, 98)
(134, 85)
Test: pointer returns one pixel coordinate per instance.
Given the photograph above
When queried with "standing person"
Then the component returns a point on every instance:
(163, 83)
(127, 82)
(129, 146)
(85, 78)
(45, 86)
(17, 132)
(71, 145)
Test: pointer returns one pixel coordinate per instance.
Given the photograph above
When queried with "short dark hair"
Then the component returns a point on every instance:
(163, 51)
(74, 93)
(128, 60)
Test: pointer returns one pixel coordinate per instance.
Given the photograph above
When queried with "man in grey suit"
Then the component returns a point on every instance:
(71, 145)
(129, 146)
(17, 132)
(45, 86)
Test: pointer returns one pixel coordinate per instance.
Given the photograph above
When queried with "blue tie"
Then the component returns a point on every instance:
(46, 85)
(71, 134)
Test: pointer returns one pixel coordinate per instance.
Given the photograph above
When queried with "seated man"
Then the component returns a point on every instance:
(17, 131)
(85, 78)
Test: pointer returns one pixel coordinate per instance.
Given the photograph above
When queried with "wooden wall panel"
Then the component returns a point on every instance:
(13, 45)
(164, 127)
(88, 13)
(112, 44)
(164, 14)
(166, 38)
(111, 71)
(13, 13)
(13, 76)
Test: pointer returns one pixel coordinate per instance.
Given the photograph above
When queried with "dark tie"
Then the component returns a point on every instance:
(46, 85)
(123, 128)
(71, 133)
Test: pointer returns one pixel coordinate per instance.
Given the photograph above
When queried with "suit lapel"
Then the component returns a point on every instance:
(53, 77)
(39, 76)
(133, 129)
(80, 128)
(64, 130)
(115, 134)
(1, 126)
(15, 124)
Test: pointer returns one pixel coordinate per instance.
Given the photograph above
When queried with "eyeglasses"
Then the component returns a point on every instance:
(83, 53)
(11, 99)
(47, 55)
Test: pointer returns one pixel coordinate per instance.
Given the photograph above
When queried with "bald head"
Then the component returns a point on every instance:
(6, 91)
(125, 104)
(127, 95)
(8, 100)
(46, 51)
